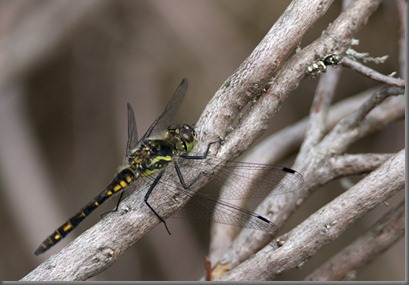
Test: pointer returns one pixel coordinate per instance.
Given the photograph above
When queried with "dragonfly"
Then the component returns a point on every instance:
(165, 144)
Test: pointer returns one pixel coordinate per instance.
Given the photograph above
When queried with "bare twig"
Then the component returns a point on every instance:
(377, 98)
(318, 169)
(285, 142)
(358, 124)
(319, 109)
(289, 139)
(322, 100)
(315, 167)
(369, 72)
(326, 224)
(250, 79)
(385, 232)
(337, 37)
(354, 164)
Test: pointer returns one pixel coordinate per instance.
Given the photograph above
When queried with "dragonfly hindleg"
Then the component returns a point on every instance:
(116, 208)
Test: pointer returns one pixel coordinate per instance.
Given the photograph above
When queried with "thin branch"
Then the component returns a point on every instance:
(362, 121)
(337, 37)
(326, 224)
(251, 78)
(317, 170)
(285, 142)
(315, 167)
(289, 139)
(355, 164)
(322, 100)
(369, 72)
(100, 246)
(384, 233)
(377, 98)
(319, 109)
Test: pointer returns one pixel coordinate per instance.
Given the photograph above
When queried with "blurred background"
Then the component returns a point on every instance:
(67, 70)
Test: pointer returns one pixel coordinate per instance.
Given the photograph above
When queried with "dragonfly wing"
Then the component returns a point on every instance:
(240, 180)
(202, 207)
(243, 180)
(164, 120)
(132, 131)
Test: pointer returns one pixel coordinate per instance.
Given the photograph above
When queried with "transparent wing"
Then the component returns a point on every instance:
(161, 123)
(236, 179)
(204, 208)
(242, 180)
(132, 131)
(164, 120)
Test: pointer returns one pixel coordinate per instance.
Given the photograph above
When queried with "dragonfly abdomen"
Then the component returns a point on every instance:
(122, 180)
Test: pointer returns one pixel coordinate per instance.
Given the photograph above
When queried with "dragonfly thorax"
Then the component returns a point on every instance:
(154, 154)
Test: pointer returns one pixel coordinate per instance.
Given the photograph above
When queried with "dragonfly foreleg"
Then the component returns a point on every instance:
(198, 157)
(204, 155)
(147, 197)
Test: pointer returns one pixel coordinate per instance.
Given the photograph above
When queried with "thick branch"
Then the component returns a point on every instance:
(255, 72)
(355, 164)
(315, 167)
(384, 233)
(326, 224)
(285, 142)
(337, 37)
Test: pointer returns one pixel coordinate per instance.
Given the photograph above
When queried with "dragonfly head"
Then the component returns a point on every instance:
(185, 135)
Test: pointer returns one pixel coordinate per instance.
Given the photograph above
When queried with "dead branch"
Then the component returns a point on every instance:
(370, 73)
(319, 109)
(384, 233)
(314, 164)
(100, 246)
(254, 74)
(285, 143)
(326, 224)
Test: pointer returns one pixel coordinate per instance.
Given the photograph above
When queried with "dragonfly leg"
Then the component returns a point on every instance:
(204, 155)
(116, 208)
(181, 179)
(148, 193)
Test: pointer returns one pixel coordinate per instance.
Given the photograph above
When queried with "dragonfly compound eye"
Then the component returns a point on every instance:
(187, 135)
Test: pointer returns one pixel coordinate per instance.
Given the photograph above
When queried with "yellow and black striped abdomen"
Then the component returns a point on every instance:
(122, 180)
